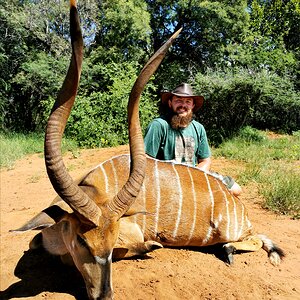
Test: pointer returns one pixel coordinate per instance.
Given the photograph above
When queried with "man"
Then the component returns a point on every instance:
(176, 136)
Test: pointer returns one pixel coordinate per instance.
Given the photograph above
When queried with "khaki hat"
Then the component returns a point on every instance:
(183, 90)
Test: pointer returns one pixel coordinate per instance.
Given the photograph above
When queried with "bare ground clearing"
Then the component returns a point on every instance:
(165, 274)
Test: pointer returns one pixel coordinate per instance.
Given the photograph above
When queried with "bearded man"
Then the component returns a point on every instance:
(175, 136)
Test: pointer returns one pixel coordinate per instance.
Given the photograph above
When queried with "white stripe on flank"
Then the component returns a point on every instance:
(242, 222)
(248, 223)
(211, 196)
(208, 235)
(195, 207)
(115, 177)
(157, 185)
(179, 202)
(227, 211)
(105, 178)
(228, 218)
(235, 229)
(220, 218)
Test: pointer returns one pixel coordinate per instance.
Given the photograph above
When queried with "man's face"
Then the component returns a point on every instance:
(182, 106)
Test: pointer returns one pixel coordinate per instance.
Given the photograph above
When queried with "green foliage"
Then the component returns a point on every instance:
(208, 26)
(171, 75)
(277, 20)
(240, 98)
(24, 36)
(270, 41)
(255, 42)
(15, 146)
(38, 81)
(227, 104)
(264, 56)
(100, 119)
(250, 135)
(123, 29)
(277, 106)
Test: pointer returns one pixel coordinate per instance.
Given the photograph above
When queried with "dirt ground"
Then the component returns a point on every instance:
(165, 274)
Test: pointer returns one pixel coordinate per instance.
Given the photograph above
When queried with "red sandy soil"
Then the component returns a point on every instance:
(164, 274)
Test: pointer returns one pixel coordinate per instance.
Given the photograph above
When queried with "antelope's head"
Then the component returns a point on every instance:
(90, 233)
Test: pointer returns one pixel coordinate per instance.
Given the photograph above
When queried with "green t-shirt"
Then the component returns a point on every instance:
(185, 145)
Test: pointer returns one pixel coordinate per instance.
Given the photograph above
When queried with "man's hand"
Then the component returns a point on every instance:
(204, 164)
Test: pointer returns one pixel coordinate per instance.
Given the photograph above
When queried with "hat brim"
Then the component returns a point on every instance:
(198, 100)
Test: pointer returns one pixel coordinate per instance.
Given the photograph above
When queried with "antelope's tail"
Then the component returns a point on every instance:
(274, 252)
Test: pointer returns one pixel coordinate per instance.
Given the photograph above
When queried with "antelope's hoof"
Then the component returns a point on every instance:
(152, 245)
(229, 251)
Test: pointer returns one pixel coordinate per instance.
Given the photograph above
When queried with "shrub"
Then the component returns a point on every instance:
(36, 84)
(250, 134)
(235, 99)
(100, 119)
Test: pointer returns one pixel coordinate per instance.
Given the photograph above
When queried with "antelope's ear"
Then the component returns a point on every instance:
(44, 219)
(119, 253)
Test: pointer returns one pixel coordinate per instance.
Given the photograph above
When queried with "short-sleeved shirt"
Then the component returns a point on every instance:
(185, 145)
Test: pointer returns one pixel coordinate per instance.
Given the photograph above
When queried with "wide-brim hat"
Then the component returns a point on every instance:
(183, 90)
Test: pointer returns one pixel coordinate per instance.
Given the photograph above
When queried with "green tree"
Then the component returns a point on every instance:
(272, 39)
(123, 30)
(33, 54)
(232, 37)
(37, 82)
(208, 27)
(24, 37)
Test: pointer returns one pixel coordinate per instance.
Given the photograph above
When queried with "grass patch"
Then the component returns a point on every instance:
(273, 162)
(281, 190)
(16, 145)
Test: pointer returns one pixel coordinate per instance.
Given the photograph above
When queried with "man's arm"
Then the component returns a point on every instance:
(203, 151)
(152, 139)
(204, 164)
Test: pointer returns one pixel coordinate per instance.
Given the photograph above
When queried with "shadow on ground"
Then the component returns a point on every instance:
(41, 272)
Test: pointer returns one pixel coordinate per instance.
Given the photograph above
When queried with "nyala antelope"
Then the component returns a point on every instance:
(132, 204)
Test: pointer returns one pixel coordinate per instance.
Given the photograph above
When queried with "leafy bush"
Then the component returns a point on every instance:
(277, 106)
(36, 84)
(250, 134)
(100, 119)
(240, 98)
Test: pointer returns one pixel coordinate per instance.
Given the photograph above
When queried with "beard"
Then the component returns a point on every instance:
(178, 122)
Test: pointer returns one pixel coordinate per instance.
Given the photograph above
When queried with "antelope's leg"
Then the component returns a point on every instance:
(252, 243)
(131, 241)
